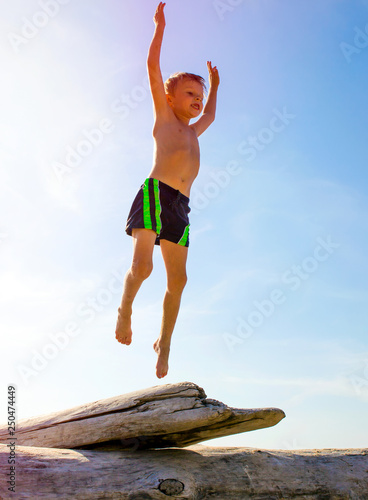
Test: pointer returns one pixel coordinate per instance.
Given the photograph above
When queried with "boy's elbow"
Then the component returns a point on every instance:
(210, 117)
(153, 57)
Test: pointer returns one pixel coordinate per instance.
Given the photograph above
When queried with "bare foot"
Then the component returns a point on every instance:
(162, 366)
(123, 330)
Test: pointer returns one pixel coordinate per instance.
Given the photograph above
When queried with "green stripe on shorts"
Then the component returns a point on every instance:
(183, 240)
(156, 191)
(146, 207)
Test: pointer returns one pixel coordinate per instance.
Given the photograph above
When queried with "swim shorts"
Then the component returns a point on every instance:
(162, 208)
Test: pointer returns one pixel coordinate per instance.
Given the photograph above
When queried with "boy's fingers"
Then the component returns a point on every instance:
(209, 65)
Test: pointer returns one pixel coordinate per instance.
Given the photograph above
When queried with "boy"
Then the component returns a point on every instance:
(159, 214)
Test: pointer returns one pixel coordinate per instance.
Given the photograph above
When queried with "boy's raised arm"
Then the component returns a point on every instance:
(153, 62)
(209, 110)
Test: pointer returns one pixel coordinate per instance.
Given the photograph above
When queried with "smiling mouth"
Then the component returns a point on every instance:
(196, 106)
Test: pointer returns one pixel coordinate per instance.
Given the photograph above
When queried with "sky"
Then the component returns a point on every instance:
(275, 310)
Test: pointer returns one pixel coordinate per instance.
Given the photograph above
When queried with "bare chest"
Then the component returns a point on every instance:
(177, 139)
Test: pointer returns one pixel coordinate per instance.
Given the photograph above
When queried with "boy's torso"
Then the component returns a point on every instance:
(176, 155)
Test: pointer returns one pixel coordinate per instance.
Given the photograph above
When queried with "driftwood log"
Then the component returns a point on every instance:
(163, 416)
(194, 473)
(173, 415)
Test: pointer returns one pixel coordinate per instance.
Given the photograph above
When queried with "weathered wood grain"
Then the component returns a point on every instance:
(162, 416)
(194, 473)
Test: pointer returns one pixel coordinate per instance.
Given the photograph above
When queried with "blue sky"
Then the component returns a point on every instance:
(274, 313)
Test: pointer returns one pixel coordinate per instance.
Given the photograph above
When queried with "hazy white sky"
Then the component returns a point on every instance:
(275, 310)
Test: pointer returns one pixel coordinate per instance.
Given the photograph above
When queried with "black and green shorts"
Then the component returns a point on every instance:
(163, 209)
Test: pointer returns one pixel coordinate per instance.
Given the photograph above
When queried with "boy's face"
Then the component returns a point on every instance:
(187, 99)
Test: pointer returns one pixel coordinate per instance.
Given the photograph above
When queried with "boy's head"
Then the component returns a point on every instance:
(185, 93)
(172, 82)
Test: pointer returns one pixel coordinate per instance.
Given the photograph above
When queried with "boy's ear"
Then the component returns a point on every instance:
(169, 99)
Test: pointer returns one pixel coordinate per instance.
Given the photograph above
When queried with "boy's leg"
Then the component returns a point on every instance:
(143, 243)
(175, 258)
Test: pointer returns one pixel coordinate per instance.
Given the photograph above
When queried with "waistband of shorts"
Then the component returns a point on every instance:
(175, 193)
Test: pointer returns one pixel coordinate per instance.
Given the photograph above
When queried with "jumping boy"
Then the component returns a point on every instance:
(159, 214)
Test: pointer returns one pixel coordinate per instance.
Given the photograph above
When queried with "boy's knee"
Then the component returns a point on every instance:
(141, 269)
(177, 282)
(184, 280)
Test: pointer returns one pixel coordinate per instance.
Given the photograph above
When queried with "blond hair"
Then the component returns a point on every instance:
(172, 81)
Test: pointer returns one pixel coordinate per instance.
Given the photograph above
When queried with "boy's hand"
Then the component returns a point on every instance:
(159, 17)
(213, 75)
